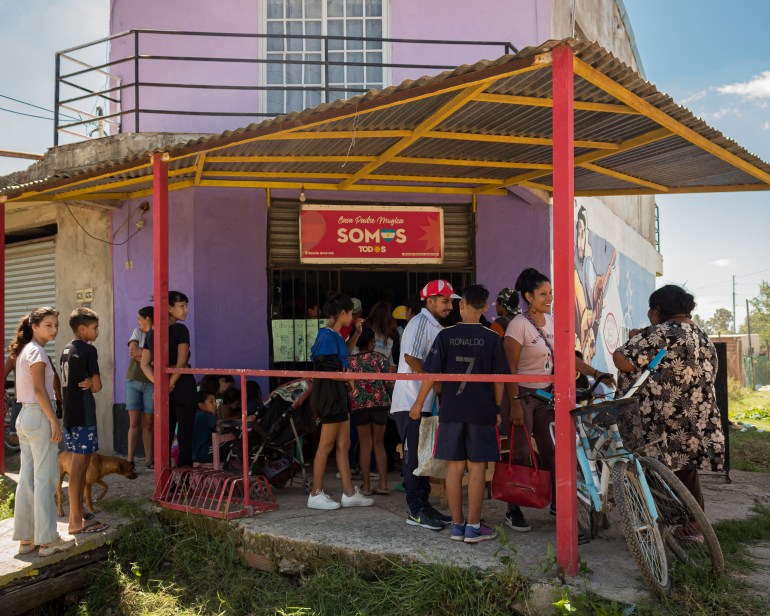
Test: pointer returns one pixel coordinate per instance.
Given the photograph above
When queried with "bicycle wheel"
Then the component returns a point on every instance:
(642, 534)
(11, 444)
(682, 519)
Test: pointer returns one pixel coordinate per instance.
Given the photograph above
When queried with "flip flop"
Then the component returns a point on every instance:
(26, 548)
(88, 516)
(382, 491)
(96, 527)
(60, 545)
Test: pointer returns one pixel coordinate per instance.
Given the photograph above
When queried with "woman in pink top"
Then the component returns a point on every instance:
(34, 522)
(528, 345)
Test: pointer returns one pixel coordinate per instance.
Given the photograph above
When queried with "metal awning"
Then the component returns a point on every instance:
(474, 130)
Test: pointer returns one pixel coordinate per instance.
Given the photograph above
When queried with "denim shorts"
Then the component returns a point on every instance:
(139, 396)
(80, 439)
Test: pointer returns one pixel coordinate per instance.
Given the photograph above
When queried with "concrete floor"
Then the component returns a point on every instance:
(381, 530)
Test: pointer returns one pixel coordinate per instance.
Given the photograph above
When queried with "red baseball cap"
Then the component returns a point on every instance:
(438, 287)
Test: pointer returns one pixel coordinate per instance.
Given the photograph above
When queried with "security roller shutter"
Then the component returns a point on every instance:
(30, 282)
(459, 237)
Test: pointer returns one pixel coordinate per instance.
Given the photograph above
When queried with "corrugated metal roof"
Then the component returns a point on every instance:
(476, 128)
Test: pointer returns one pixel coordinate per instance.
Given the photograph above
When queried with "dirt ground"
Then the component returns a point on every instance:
(381, 530)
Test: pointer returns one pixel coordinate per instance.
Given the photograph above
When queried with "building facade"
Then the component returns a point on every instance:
(235, 253)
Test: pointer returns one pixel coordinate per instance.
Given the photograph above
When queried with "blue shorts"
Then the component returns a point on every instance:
(139, 396)
(472, 442)
(80, 439)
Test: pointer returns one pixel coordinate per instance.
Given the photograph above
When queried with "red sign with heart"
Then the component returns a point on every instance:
(371, 234)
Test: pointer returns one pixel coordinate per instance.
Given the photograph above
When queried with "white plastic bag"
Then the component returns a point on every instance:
(427, 465)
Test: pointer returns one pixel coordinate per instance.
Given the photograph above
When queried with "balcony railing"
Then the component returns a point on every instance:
(140, 79)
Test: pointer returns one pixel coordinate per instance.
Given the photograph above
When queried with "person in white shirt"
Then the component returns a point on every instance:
(416, 341)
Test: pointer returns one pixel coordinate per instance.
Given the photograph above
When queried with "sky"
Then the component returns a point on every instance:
(712, 57)
(709, 56)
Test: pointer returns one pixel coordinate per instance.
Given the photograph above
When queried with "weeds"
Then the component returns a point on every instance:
(7, 498)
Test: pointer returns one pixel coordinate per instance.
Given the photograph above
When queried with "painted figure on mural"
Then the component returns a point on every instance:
(595, 259)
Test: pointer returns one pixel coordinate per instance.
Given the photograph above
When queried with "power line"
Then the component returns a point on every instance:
(16, 100)
(726, 281)
(29, 115)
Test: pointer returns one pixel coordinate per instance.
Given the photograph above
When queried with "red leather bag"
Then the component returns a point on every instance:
(525, 486)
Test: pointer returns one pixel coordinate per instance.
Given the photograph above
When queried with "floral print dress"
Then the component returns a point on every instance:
(678, 403)
(369, 394)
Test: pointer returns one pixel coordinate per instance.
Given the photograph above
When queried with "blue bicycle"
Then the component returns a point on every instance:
(656, 509)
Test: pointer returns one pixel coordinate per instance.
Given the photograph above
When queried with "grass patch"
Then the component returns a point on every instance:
(184, 565)
(749, 406)
(7, 497)
(750, 451)
(697, 593)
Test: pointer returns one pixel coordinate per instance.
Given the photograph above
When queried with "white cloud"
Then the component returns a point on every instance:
(720, 113)
(691, 98)
(758, 87)
(721, 262)
(766, 125)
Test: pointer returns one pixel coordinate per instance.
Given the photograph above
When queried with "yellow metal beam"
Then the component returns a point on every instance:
(274, 174)
(431, 178)
(73, 194)
(535, 101)
(446, 190)
(600, 80)
(545, 141)
(684, 190)
(441, 114)
(289, 159)
(461, 162)
(628, 144)
(343, 134)
(199, 164)
(171, 187)
(624, 177)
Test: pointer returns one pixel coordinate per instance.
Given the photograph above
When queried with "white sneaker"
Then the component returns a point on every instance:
(356, 500)
(322, 501)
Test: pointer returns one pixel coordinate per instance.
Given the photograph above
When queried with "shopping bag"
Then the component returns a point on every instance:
(525, 486)
(427, 465)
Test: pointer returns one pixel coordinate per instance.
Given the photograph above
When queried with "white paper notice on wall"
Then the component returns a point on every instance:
(293, 338)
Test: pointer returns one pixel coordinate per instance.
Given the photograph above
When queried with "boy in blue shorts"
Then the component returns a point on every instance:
(469, 412)
(80, 380)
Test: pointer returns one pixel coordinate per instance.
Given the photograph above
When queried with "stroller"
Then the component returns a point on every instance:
(274, 438)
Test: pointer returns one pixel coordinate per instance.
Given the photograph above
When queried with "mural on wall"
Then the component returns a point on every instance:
(611, 290)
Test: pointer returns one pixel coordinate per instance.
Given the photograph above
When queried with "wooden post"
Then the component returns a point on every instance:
(162, 456)
(564, 308)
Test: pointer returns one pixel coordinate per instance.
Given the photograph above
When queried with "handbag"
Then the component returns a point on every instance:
(525, 486)
(427, 465)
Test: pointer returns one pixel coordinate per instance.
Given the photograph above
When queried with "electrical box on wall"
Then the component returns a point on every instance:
(84, 296)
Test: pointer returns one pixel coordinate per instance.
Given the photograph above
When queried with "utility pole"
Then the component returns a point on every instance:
(751, 350)
(735, 316)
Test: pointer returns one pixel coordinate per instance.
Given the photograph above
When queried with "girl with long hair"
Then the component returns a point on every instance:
(381, 321)
(330, 401)
(39, 431)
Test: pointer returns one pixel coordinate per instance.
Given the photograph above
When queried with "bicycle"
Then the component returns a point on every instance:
(11, 440)
(656, 509)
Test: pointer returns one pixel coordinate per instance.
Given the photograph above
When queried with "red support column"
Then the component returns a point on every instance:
(2, 320)
(564, 308)
(160, 293)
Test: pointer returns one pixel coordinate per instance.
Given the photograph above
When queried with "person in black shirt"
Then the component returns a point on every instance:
(469, 412)
(183, 395)
(80, 380)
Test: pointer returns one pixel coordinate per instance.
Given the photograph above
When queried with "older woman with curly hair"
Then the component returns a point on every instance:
(680, 419)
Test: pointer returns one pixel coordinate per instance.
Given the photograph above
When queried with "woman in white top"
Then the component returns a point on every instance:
(528, 345)
(384, 325)
(39, 432)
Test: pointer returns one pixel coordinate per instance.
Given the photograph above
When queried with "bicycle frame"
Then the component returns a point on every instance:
(594, 484)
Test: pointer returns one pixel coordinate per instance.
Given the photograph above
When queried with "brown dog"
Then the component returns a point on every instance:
(98, 467)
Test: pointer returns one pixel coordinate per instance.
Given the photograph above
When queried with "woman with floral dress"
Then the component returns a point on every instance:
(369, 405)
(680, 419)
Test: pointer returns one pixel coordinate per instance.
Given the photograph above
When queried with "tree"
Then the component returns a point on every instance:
(702, 324)
(721, 321)
(760, 313)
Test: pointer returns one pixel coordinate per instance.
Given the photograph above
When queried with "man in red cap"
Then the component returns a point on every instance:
(416, 341)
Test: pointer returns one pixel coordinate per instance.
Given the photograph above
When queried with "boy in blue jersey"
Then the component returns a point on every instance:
(469, 412)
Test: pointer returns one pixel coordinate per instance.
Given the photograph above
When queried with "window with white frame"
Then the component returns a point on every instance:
(318, 18)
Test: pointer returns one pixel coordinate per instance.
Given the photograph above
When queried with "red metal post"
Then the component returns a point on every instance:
(245, 444)
(2, 320)
(160, 292)
(564, 308)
